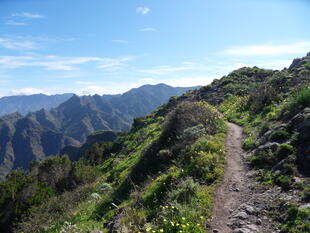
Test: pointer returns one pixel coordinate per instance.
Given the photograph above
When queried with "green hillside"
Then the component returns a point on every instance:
(161, 175)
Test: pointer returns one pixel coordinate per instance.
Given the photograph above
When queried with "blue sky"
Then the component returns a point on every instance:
(110, 46)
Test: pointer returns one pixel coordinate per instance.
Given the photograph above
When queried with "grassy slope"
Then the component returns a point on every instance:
(162, 179)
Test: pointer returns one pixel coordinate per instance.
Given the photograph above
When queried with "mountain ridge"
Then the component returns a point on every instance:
(28, 103)
(45, 132)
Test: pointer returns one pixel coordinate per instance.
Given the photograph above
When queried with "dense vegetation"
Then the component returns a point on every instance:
(21, 192)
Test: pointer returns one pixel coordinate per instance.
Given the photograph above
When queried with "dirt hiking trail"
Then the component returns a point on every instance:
(238, 200)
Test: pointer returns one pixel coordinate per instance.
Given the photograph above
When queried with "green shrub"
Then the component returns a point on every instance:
(157, 189)
(297, 101)
(190, 114)
(263, 96)
(297, 221)
(132, 220)
(42, 193)
(52, 210)
(285, 182)
(248, 143)
(306, 194)
(99, 152)
(83, 173)
(262, 160)
(264, 128)
(289, 168)
(105, 188)
(284, 150)
(210, 145)
(204, 166)
(302, 99)
(265, 177)
(184, 191)
(279, 136)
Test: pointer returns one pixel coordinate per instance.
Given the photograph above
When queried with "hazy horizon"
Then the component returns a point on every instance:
(27, 94)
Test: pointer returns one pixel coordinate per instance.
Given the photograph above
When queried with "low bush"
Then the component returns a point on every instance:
(55, 209)
(264, 128)
(262, 97)
(279, 136)
(184, 191)
(82, 172)
(306, 194)
(297, 221)
(133, 220)
(156, 190)
(248, 143)
(261, 160)
(204, 166)
(285, 182)
(298, 100)
(284, 151)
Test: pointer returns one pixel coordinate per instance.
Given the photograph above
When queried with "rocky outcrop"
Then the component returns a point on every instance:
(300, 125)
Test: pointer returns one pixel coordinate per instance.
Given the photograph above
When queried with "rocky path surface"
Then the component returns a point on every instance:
(241, 204)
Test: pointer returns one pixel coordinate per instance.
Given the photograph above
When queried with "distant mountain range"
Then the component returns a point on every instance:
(46, 132)
(29, 103)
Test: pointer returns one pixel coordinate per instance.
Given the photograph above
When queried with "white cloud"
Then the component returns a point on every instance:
(28, 91)
(15, 23)
(28, 15)
(143, 10)
(163, 70)
(84, 83)
(148, 29)
(16, 45)
(12, 62)
(120, 41)
(277, 64)
(167, 69)
(61, 63)
(21, 19)
(109, 87)
(115, 63)
(182, 81)
(269, 49)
